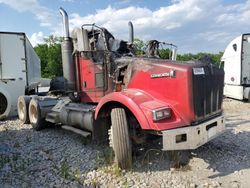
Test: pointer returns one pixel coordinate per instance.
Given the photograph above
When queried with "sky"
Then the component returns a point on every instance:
(193, 25)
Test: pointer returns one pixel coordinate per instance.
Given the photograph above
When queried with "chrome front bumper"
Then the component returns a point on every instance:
(193, 136)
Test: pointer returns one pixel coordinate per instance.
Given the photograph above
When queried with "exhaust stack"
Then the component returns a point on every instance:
(174, 54)
(131, 33)
(67, 56)
(65, 22)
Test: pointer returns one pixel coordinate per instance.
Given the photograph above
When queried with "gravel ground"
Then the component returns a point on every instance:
(57, 158)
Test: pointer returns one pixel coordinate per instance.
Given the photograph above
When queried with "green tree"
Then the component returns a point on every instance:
(54, 66)
(185, 57)
(42, 52)
(50, 56)
(165, 53)
(51, 40)
(140, 46)
(215, 58)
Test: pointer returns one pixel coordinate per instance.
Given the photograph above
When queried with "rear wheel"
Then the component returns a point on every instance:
(120, 140)
(4, 103)
(36, 119)
(23, 109)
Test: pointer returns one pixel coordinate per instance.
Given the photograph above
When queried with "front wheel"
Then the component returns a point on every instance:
(119, 138)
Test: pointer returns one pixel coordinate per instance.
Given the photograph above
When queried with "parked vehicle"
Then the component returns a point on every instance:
(19, 71)
(236, 63)
(114, 95)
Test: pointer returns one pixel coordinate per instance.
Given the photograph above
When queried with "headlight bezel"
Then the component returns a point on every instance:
(161, 113)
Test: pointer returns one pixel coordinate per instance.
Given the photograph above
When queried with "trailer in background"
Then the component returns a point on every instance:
(236, 62)
(20, 71)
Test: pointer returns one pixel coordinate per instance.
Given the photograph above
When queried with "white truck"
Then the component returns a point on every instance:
(19, 71)
(236, 62)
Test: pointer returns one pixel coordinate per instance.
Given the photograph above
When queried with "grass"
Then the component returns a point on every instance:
(105, 159)
(112, 169)
(106, 156)
(65, 170)
(66, 173)
(125, 184)
(184, 168)
(12, 159)
(95, 182)
(76, 174)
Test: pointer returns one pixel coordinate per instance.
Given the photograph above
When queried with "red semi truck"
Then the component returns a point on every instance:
(114, 95)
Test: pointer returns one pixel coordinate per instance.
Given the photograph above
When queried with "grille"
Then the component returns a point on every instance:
(208, 92)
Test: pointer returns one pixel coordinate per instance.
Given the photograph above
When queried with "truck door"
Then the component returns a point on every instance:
(245, 58)
(93, 61)
(94, 79)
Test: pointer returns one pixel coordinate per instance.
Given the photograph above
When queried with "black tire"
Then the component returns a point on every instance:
(120, 139)
(23, 109)
(4, 103)
(36, 119)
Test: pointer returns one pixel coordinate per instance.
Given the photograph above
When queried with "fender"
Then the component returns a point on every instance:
(131, 98)
(141, 105)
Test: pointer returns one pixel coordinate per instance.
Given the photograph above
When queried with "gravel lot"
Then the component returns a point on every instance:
(57, 158)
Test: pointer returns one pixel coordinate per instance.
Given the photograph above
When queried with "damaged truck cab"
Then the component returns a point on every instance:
(180, 101)
(116, 96)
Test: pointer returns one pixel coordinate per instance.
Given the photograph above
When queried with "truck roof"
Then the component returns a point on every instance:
(14, 33)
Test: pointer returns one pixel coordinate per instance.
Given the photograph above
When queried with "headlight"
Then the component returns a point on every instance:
(160, 114)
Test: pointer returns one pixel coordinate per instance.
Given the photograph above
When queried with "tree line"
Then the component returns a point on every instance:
(51, 59)
(165, 53)
(50, 56)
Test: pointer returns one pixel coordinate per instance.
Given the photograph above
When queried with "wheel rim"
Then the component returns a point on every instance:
(33, 114)
(21, 109)
(4, 103)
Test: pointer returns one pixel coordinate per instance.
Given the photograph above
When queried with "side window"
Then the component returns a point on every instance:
(235, 47)
(222, 64)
